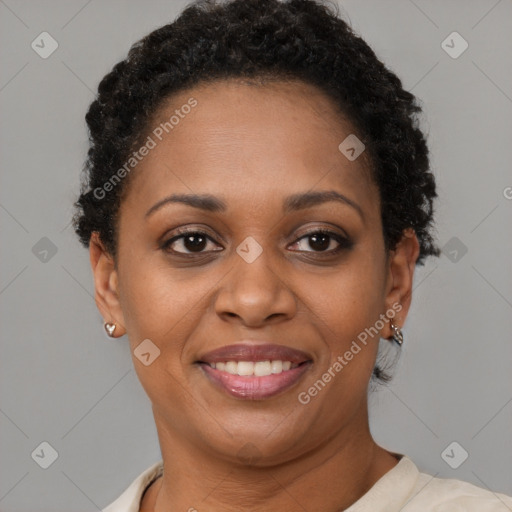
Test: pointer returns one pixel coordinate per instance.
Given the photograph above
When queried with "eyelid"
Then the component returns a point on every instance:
(324, 229)
(185, 230)
(180, 233)
(343, 241)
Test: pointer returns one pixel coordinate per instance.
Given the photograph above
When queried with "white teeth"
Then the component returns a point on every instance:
(250, 368)
(262, 368)
(231, 367)
(277, 366)
(245, 368)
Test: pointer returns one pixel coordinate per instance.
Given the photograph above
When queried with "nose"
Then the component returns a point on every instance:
(255, 294)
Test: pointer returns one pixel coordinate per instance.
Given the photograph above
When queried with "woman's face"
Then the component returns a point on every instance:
(255, 272)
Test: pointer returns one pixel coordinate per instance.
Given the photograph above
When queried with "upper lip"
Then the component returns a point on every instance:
(250, 351)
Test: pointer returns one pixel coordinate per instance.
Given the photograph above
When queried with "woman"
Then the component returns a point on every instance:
(258, 195)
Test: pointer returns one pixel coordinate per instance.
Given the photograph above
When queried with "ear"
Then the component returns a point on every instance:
(106, 284)
(401, 266)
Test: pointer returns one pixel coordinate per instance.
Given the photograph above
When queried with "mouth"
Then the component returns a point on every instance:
(254, 371)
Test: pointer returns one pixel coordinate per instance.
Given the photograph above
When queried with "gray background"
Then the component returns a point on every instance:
(62, 380)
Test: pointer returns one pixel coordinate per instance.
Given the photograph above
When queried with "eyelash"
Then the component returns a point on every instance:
(344, 243)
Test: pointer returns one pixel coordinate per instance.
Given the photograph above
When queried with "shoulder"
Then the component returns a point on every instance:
(130, 499)
(451, 495)
(406, 489)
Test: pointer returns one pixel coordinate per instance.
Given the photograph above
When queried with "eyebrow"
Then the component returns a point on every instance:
(308, 199)
(294, 202)
(204, 202)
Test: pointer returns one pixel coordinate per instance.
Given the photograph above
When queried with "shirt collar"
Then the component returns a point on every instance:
(390, 493)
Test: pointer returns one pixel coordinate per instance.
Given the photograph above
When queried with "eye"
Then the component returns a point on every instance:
(322, 241)
(189, 242)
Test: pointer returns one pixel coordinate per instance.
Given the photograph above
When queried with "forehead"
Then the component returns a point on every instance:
(256, 138)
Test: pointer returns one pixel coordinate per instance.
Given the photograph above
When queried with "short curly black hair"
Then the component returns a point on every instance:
(272, 39)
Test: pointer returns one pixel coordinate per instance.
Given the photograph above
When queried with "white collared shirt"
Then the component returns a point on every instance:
(403, 488)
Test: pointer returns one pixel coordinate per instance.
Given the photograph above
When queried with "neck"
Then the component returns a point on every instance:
(344, 467)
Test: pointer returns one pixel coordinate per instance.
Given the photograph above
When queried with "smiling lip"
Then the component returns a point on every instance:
(254, 352)
(253, 387)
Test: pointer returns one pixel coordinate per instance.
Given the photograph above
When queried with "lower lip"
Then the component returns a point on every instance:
(255, 388)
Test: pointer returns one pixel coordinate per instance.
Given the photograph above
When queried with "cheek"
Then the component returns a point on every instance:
(344, 308)
(165, 306)
(154, 301)
(163, 310)
(349, 300)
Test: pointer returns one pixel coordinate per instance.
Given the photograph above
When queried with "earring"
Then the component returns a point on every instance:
(398, 337)
(110, 328)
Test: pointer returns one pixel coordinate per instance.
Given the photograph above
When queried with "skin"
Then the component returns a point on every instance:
(252, 146)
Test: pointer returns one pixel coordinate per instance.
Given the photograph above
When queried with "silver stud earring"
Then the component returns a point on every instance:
(398, 336)
(110, 328)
